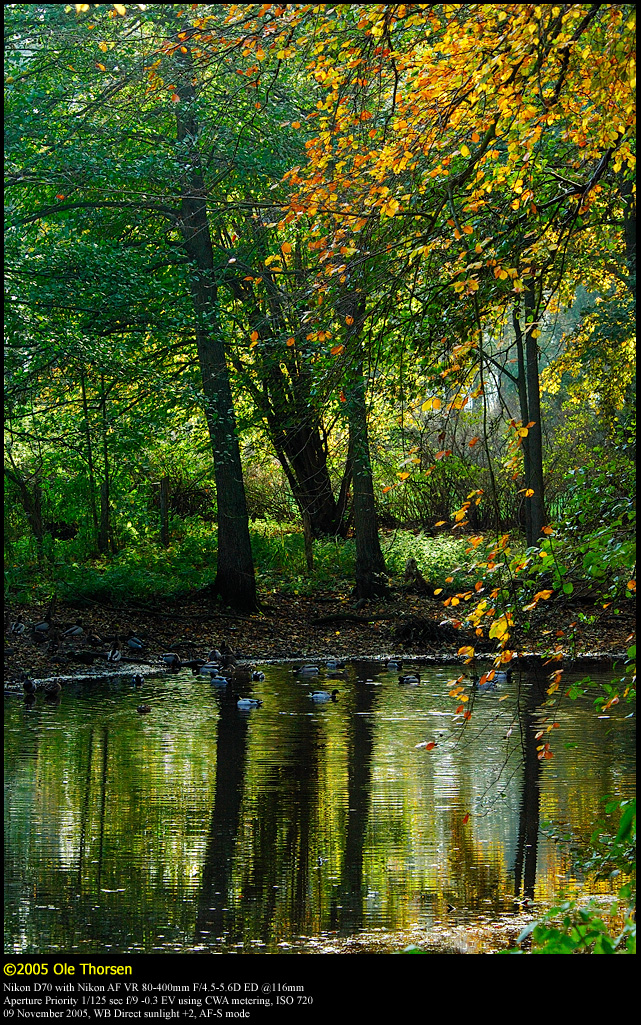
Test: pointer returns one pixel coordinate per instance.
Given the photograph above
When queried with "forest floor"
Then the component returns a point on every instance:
(302, 627)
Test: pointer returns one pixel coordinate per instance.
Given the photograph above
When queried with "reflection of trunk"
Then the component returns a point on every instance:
(103, 802)
(530, 403)
(347, 912)
(371, 581)
(235, 580)
(215, 914)
(527, 844)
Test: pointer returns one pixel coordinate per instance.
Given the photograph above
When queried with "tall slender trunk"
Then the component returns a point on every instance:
(535, 435)
(235, 581)
(92, 476)
(530, 407)
(371, 579)
(105, 527)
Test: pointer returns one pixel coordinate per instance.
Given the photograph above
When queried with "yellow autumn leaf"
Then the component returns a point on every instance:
(390, 208)
(103, 47)
(499, 629)
(120, 9)
(464, 151)
(101, 67)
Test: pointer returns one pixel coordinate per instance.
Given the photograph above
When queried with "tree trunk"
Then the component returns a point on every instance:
(371, 579)
(164, 512)
(31, 499)
(630, 231)
(92, 476)
(235, 581)
(103, 536)
(530, 408)
(535, 435)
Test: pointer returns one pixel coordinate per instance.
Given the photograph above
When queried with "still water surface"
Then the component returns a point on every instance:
(200, 827)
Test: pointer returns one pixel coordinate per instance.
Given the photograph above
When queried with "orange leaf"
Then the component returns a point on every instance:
(631, 585)
(388, 488)
(342, 396)
(349, 320)
(291, 341)
(465, 818)
(59, 196)
(254, 336)
(286, 247)
(472, 442)
(336, 350)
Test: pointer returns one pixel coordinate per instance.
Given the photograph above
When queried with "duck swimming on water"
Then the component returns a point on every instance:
(248, 703)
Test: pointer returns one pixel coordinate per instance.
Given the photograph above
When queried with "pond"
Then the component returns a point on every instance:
(201, 827)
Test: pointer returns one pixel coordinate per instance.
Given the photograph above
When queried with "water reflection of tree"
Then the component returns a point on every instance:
(213, 915)
(246, 885)
(346, 913)
(527, 843)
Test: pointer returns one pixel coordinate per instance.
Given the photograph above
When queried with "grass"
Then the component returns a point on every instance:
(146, 569)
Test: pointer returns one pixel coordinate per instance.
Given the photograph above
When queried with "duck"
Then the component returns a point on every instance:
(143, 709)
(134, 643)
(335, 663)
(172, 660)
(209, 669)
(226, 649)
(214, 655)
(410, 678)
(248, 703)
(75, 631)
(94, 640)
(28, 686)
(324, 695)
(137, 680)
(502, 676)
(307, 670)
(43, 627)
(393, 664)
(257, 675)
(482, 688)
(51, 688)
(18, 627)
(114, 654)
